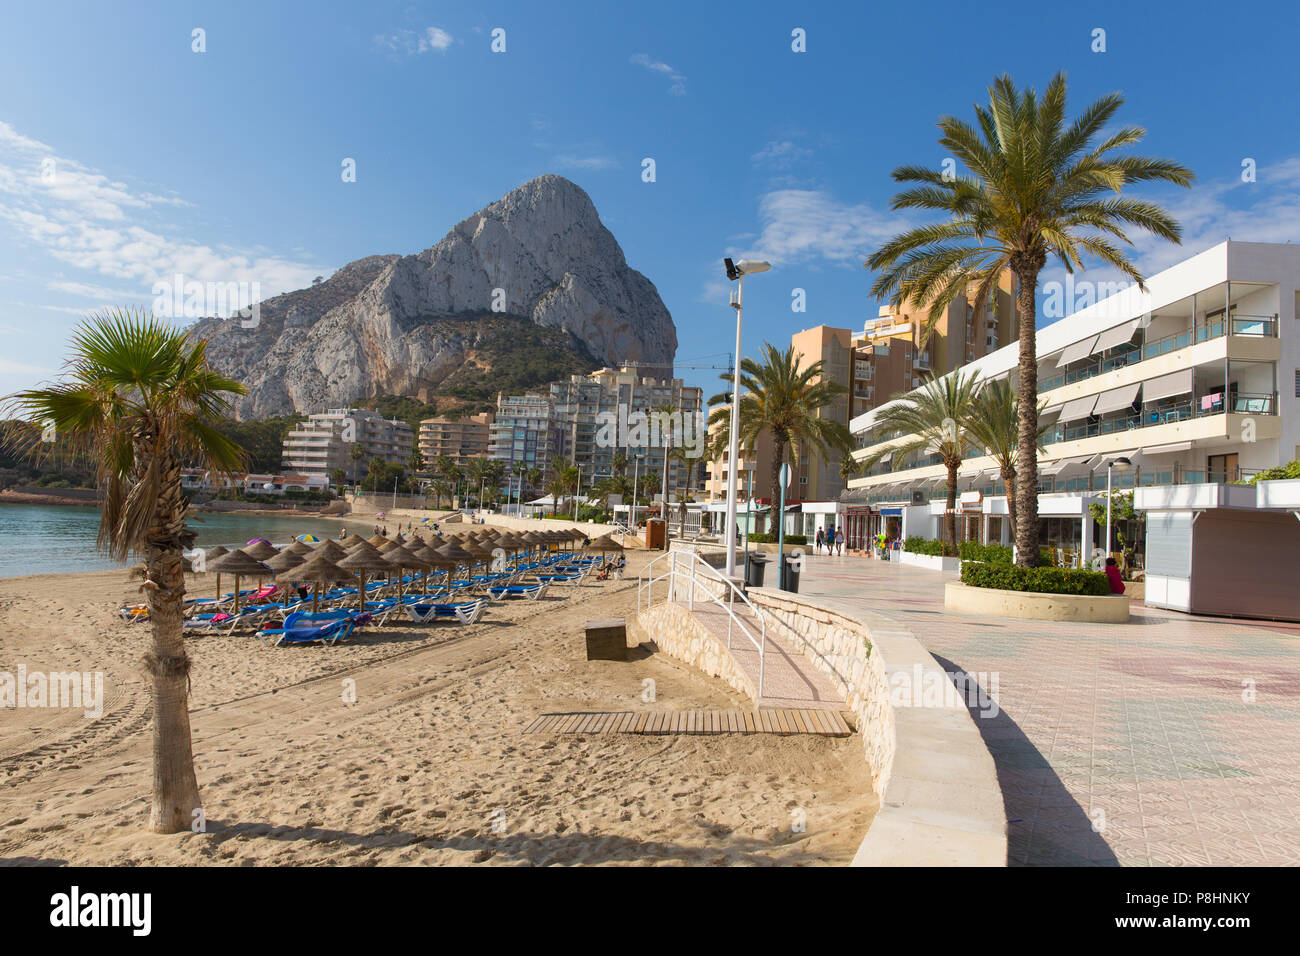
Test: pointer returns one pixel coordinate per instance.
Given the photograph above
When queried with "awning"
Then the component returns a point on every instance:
(1175, 383)
(1116, 398)
(1078, 408)
(1079, 350)
(1119, 335)
(1170, 449)
(1053, 468)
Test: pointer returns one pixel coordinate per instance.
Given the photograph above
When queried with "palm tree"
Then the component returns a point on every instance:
(357, 454)
(1036, 187)
(782, 399)
(415, 462)
(141, 402)
(619, 463)
(934, 420)
(534, 477)
(994, 424)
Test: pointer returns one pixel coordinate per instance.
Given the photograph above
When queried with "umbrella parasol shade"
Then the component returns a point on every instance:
(260, 550)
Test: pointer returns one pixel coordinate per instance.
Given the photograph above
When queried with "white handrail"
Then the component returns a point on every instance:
(645, 586)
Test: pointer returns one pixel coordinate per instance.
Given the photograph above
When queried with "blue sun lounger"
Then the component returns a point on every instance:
(321, 627)
(530, 591)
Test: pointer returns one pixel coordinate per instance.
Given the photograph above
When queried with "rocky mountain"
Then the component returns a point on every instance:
(405, 325)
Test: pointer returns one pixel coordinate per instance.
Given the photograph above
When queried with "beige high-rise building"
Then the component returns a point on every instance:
(817, 476)
(327, 440)
(459, 439)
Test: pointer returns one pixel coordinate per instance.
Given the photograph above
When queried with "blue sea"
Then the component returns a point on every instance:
(59, 539)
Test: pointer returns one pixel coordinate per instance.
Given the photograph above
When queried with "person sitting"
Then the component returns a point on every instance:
(1112, 573)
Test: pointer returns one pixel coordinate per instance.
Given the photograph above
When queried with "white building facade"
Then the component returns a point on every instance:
(1196, 380)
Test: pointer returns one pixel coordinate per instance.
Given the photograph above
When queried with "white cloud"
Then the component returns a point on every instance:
(804, 225)
(678, 82)
(781, 154)
(100, 224)
(405, 43)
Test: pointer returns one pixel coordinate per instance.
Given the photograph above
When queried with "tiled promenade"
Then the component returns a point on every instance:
(1116, 744)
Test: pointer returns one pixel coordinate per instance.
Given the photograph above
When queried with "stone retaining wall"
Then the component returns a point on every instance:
(677, 633)
(841, 648)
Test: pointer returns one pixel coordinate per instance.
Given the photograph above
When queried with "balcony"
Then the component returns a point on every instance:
(1255, 326)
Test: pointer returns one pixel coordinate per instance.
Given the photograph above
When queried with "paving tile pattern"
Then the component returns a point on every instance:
(1171, 740)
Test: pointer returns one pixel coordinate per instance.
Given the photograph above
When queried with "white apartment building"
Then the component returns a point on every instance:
(1196, 380)
(326, 441)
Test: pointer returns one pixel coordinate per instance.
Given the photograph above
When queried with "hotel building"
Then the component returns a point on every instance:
(459, 439)
(326, 441)
(1195, 380)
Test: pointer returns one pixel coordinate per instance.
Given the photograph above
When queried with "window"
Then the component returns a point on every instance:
(1297, 383)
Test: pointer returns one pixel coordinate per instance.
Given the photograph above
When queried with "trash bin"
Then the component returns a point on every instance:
(790, 574)
(755, 569)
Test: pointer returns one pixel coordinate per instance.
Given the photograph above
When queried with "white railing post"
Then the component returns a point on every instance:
(693, 564)
(731, 613)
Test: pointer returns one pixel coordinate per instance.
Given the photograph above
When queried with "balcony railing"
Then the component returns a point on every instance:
(1263, 326)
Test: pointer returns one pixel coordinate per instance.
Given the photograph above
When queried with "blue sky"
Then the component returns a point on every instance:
(225, 164)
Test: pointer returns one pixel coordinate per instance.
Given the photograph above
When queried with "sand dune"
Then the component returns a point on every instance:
(429, 766)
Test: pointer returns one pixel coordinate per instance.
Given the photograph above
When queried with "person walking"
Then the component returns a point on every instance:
(839, 542)
(821, 539)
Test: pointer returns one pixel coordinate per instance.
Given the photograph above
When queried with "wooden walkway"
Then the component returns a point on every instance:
(825, 723)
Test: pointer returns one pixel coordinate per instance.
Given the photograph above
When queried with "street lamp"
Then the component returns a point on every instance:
(1123, 464)
(736, 272)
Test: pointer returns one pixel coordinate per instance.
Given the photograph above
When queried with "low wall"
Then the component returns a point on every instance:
(932, 561)
(940, 801)
(841, 648)
(676, 632)
(1035, 606)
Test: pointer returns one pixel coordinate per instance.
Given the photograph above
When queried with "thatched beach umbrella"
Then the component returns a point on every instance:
(388, 546)
(317, 570)
(285, 561)
(458, 555)
(241, 565)
(376, 540)
(330, 549)
(298, 547)
(435, 559)
(211, 555)
(402, 558)
(362, 559)
(260, 549)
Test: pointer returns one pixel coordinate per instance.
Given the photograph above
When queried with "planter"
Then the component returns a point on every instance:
(1035, 605)
(932, 561)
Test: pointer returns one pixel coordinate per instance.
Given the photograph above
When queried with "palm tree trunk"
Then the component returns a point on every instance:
(950, 507)
(1009, 479)
(175, 787)
(778, 459)
(1027, 415)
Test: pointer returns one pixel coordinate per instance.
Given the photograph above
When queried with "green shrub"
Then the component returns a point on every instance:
(992, 553)
(980, 574)
(771, 539)
(919, 545)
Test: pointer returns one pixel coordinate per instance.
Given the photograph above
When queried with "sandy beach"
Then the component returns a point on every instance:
(428, 766)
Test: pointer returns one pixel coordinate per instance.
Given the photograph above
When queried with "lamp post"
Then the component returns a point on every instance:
(1123, 464)
(736, 272)
(786, 474)
(636, 468)
(578, 493)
